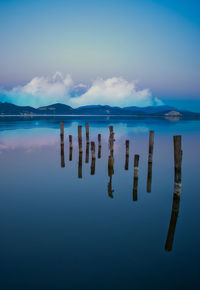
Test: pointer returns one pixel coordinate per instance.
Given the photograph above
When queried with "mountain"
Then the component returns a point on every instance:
(95, 110)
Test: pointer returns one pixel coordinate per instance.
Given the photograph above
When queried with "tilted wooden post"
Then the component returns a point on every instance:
(176, 194)
(127, 155)
(70, 147)
(110, 174)
(99, 145)
(87, 133)
(80, 138)
(150, 160)
(135, 184)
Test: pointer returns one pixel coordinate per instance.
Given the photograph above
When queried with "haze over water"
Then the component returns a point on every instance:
(59, 231)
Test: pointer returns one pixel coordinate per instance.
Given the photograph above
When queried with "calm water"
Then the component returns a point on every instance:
(59, 231)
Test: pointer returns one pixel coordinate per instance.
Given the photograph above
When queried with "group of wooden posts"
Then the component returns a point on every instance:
(177, 167)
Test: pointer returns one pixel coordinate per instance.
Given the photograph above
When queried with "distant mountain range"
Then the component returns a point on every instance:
(61, 109)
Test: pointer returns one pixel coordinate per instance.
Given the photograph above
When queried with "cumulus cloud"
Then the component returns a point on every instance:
(115, 91)
(41, 91)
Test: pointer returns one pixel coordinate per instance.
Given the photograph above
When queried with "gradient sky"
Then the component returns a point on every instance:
(154, 42)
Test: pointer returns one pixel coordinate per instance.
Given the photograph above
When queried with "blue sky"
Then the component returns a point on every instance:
(138, 45)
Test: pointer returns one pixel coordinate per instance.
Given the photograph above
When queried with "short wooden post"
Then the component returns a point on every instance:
(93, 158)
(80, 138)
(127, 155)
(177, 192)
(70, 147)
(80, 165)
(99, 145)
(150, 160)
(87, 152)
(110, 174)
(62, 130)
(135, 183)
(87, 133)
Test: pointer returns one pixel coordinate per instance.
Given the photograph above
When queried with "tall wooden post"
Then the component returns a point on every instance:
(110, 174)
(62, 154)
(87, 152)
(127, 155)
(111, 141)
(135, 184)
(87, 133)
(150, 160)
(80, 138)
(93, 158)
(99, 145)
(176, 194)
(80, 165)
(70, 147)
(62, 131)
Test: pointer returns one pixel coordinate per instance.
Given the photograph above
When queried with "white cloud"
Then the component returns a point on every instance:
(115, 91)
(41, 91)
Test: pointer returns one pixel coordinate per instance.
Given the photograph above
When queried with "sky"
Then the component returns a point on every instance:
(115, 52)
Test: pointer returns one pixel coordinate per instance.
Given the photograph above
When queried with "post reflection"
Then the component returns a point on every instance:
(110, 174)
(135, 183)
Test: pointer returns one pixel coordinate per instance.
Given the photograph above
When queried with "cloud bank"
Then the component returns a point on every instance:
(115, 91)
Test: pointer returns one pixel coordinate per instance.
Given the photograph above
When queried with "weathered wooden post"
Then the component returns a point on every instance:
(110, 174)
(93, 158)
(70, 147)
(135, 184)
(62, 131)
(80, 165)
(150, 160)
(111, 141)
(62, 153)
(80, 138)
(127, 155)
(87, 149)
(176, 194)
(99, 145)
(87, 133)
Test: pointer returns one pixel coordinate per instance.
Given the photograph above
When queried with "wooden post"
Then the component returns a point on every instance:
(99, 145)
(62, 154)
(110, 174)
(87, 152)
(150, 159)
(80, 165)
(177, 192)
(87, 133)
(70, 147)
(111, 141)
(80, 138)
(93, 158)
(62, 130)
(135, 184)
(127, 155)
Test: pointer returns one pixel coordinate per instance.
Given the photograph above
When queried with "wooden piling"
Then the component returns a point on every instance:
(99, 145)
(177, 192)
(127, 155)
(62, 129)
(80, 138)
(110, 174)
(80, 165)
(87, 149)
(62, 154)
(87, 133)
(111, 141)
(93, 158)
(70, 148)
(135, 183)
(150, 160)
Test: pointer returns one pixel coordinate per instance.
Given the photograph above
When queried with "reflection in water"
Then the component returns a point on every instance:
(176, 194)
(99, 146)
(127, 155)
(135, 183)
(177, 169)
(110, 174)
(70, 147)
(150, 159)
